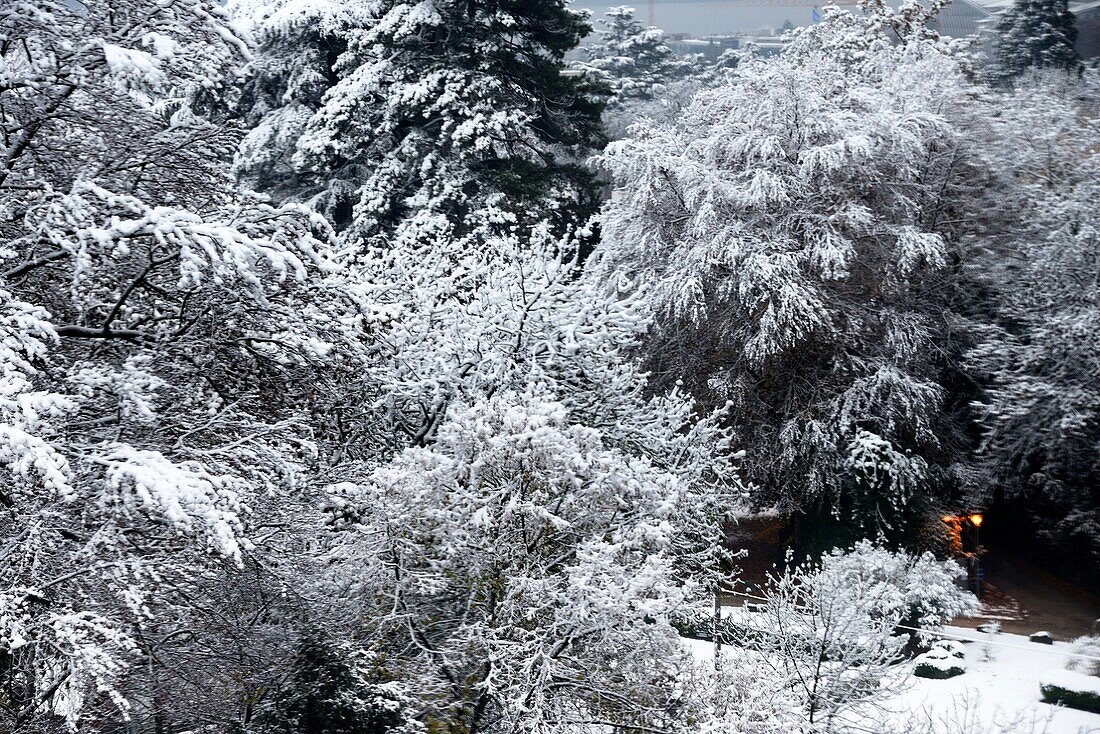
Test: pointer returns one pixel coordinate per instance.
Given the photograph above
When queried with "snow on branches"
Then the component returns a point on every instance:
(431, 121)
(631, 59)
(791, 229)
(1040, 360)
(156, 327)
(392, 408)
(832, 632)
(527, 568)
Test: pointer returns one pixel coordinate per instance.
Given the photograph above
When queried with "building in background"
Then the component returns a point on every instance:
(710, 27)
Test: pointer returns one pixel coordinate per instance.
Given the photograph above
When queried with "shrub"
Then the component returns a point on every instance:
(1075, 690)
(946, 659)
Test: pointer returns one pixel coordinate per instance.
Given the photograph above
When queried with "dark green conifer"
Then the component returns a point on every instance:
(332, 690)
(1035, 34)
(451, 120)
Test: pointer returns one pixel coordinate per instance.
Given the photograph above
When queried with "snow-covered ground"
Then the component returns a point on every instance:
(1003, 688)
(998, 693)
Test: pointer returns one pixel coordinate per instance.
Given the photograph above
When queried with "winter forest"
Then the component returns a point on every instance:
(448, 366)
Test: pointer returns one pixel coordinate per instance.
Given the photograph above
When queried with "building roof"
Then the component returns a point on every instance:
(961, 18)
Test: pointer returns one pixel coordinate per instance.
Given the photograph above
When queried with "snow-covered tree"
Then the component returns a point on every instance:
(819, 651)
(189, 361)
(1039, 361)
(298, 45)
(449, 120)
(1035, 34)
(334, 689)
(646, 78)
(460, 323)
(522, 571)
(259, 476)
(158, 333)
(632, 60)
(540, 458)
(519, 563)
(798, 230)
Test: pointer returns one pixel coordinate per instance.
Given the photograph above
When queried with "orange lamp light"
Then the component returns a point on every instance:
(976, 518)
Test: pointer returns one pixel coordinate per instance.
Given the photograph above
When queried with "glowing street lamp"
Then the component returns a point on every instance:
(976, 520)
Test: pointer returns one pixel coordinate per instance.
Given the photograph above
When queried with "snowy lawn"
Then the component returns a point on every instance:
(1000, 694)
(1005, 688)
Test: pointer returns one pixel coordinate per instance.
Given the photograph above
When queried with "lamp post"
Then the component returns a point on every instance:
(976, 520)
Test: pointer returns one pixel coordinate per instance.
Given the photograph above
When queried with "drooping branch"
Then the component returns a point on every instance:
(86, 332)
(38, 262)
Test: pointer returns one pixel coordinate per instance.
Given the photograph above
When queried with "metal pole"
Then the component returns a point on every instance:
(978, 560)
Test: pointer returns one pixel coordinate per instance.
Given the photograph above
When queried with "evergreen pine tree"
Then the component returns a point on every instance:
(330, 691)
(450, 120)
(1035, 33)
(298, 45)
(632, 59)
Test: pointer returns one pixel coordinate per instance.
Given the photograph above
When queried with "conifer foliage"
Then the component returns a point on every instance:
(297, 47)
(334, 689)
(632, 59)
(1035, 33)
(451, 119)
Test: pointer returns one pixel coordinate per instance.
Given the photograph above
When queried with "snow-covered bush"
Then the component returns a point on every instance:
(990, 629)
(524, 570)
(835, 630)
(1068, 688)
(954, 648)
(739, 694)
(965, 712)
(946, 659)
(919, 591)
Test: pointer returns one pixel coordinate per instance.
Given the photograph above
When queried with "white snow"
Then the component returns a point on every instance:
(133, 68)
(1072, 681)
(1004, 688)
(1001, 693)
